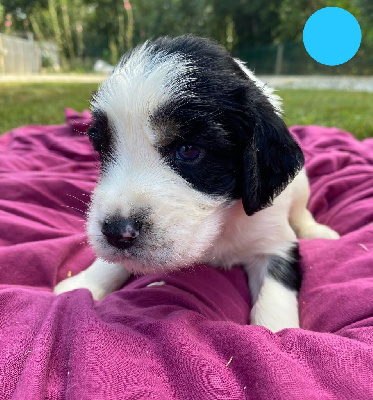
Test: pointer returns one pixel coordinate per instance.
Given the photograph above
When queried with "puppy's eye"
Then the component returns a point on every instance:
(187, 152)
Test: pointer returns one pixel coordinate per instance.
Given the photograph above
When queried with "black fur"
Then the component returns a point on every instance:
(100, 134)
(286, 270)
(214, 172)
(249, 153)
(272, 159)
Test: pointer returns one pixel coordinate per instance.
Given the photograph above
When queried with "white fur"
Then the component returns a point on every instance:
(188, 226)
(101, 278)
(276, 307)
(148, 80)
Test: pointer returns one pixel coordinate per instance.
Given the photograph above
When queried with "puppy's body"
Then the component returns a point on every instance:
(196, 168)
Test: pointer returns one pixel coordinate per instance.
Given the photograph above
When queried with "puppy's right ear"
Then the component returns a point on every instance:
(271, 160)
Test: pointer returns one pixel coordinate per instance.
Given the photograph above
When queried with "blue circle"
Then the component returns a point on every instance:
(332, 36)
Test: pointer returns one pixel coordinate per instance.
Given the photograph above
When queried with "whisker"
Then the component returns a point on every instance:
(75, 120)
(77, 198)
(77, 209)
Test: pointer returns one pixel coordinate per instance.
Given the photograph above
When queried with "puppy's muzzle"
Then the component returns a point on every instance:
(120, 232)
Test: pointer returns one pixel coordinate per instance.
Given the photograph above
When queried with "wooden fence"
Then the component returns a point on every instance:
(19, 56)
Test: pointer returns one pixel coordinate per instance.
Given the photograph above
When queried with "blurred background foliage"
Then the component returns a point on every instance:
(254, 30)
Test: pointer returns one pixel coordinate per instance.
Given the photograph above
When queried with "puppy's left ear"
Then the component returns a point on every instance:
(272, 159)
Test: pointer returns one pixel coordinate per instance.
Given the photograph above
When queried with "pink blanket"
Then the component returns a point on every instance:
(187, 339)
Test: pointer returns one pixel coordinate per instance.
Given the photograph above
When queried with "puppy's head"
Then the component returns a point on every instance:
(184, 131)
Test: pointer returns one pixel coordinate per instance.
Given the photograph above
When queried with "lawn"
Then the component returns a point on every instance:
(43, 103)
(350, 111)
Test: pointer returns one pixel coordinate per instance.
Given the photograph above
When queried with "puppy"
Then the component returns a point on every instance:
(197, 166)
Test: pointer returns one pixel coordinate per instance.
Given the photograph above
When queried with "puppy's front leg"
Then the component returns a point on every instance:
(101, 278)
(274, 284)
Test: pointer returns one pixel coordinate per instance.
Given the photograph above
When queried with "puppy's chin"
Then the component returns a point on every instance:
(139, 262)
(146, 267)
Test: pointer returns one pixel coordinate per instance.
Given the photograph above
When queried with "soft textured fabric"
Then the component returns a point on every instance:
(189, 338)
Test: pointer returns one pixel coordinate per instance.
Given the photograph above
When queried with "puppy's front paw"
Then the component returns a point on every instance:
(101, 278)
(80, 282)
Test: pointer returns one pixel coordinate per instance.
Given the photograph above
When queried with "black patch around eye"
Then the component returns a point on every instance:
(213, 173)
(99, 133)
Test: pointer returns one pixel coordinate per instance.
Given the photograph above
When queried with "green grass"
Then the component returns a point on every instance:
(43, 103)
(40, 103)
(350, 111)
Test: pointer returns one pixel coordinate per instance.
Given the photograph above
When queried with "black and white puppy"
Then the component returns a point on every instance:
(197, 167)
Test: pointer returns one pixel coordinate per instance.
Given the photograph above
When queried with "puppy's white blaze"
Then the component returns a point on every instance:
(138, 87)
(273, 98)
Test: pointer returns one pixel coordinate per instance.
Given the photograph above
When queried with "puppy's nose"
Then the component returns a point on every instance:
(121, 233)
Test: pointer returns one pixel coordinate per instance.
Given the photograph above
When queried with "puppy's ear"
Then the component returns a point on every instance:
(272, 159)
